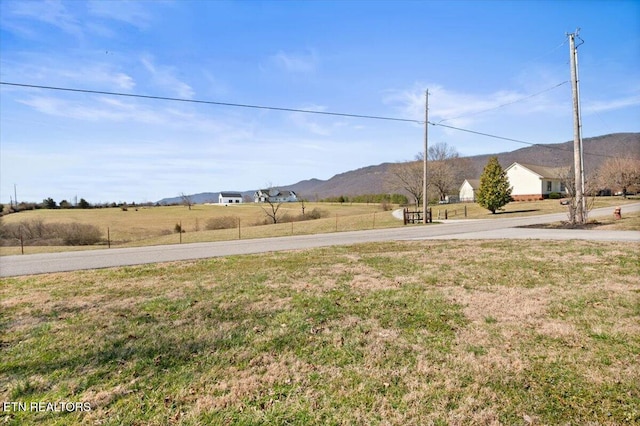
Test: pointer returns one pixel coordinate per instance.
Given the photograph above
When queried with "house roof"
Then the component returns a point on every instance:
(231, 194)
(272, 193)
(475, 183)
(543, 171)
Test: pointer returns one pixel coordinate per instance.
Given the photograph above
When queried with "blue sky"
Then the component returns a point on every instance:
(499, 67)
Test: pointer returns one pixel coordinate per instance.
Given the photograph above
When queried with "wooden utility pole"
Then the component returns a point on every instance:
(578, 204)
(424, 159)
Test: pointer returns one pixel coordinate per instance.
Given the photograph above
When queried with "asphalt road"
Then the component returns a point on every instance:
(502, 228)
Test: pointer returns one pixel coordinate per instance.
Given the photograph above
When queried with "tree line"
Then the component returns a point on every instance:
(51, 204)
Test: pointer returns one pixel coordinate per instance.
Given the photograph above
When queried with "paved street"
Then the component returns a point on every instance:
(498, 228)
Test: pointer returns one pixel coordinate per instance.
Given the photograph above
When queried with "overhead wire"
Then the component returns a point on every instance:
(524, 97)
(196, 101)
(272, 108)
(507, 103)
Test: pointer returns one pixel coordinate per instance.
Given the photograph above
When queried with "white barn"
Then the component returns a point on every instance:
(468, 190)
(530, 182)
(230, 198)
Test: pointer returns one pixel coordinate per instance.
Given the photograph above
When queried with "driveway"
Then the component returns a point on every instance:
(499, 228)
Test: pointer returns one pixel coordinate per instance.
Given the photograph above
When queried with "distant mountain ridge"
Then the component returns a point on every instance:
(371, 179)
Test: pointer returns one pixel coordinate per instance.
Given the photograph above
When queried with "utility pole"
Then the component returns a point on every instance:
(15, 195)
(424, 159)
(579, 202)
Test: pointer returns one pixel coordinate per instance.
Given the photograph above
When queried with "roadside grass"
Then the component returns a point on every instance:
(434, 332)
(521, 208)
(629, 222)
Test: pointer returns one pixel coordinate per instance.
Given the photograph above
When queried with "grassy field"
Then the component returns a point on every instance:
(156, 225)
(477, 332)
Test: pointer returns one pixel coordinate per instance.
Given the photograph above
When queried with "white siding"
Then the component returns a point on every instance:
(524, 181)
(466, 192)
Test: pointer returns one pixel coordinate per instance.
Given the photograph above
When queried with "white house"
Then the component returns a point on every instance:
(530, 182)
(274, 195)
(468, 190)
(230, 198)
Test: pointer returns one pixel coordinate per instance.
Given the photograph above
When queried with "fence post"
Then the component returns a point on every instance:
(180, 232)
(446, 215)
(21, 240)
(404, 215)
(108, 238)
(465, 211)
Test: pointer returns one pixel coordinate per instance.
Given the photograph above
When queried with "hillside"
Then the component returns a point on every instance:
(371, 179)
(596, 151)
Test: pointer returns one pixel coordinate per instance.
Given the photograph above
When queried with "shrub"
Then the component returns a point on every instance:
(555, 196)
(36, 232)
(316, 213)
(385, 206)
(79, 234)
(224, 222)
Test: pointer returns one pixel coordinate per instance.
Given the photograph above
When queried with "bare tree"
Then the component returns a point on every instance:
(273, 205)
(407, 176)
(186, 200)
(620, 174)
(446, 170)
(567, 180)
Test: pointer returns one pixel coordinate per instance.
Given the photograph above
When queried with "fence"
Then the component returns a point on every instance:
(415, 216)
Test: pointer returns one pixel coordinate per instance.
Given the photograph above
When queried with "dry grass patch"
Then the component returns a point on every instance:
(479, 332)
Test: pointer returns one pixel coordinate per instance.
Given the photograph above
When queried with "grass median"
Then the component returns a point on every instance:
(478, 332)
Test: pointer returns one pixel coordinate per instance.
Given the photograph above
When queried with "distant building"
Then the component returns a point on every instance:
(531, 182)
(274, 195)
(230, 198)
(468, 190)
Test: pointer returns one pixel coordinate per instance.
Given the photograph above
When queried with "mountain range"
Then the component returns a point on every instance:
(371, 179)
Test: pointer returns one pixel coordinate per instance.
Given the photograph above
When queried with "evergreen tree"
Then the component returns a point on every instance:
(84, 204)
(49, 203)
(494, 191)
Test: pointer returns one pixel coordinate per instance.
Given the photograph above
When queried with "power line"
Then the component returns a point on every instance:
(271, 108)
(508, 103)
(525, 97)
(229, 104)
(517, 140)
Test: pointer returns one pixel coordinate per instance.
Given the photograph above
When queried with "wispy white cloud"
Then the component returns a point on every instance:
(296, 62)
(165, 78)
(52, 12)
(100, 109)
(611, 104)
(129, 12)
(462, 109)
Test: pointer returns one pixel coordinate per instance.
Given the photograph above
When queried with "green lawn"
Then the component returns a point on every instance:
(477, 332)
